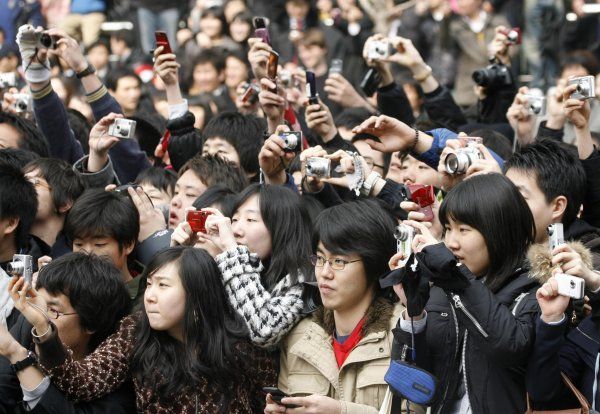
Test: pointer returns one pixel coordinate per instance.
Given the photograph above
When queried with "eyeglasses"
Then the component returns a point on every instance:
(371, 163)
(335, 264)
(37, 181)
(54, 314)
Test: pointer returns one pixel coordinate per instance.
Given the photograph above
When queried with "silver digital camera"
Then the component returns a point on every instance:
(379, 49)
(292, 140)
(404, 237)
(318, 167)
(22, 102)
(460, 161)
(537, 105)
(8, 80)
(571, 286)
(556, 235)
(21, 265)
(122, 128)
(586, 87)
(45, 41)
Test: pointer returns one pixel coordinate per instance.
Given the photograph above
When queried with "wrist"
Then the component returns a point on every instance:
(552, 318)
(16, 353)
(555, 122)
(418, 67)
(80, 66)
(329, 135)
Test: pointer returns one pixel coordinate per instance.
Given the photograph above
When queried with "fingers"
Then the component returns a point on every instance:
(109, 119)
(549, 289)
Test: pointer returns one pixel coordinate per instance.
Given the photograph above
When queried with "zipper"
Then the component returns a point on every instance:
(464, 366)
(458, 303)
(453, 358)
(586, 335)
(518, 301)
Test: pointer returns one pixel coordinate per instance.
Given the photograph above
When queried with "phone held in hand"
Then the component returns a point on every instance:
(370, 82)
(277, 395)
(272, 66)
(163, 40)
(311, 88)
(424, 196)
(261, 31)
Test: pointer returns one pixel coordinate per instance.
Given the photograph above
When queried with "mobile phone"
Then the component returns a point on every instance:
(311, 88)
(272, 65)
(370, 82)
(260, 30)
(197, 220)
(164, 141)
(424, 196)
(250, 93)
(337, 66)
(277, 395)
(163, 40)
(123, 188)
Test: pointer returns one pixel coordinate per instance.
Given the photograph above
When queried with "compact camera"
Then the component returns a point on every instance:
(8, 80)
(537, 105)
(292, 140)
(337, 66)
(22, 102)
(197, 220)
(122, 128)
(571, 286)
(556, 235)
(513, 36)
(45, 41)
(286, 78)
(318, 167)
(251, 91)
(460, 161)
(586, 87)
(494, 76)
(404, 236)
(379, 49)
(21, 265)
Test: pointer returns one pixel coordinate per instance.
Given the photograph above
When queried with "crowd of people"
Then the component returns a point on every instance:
(298, 206)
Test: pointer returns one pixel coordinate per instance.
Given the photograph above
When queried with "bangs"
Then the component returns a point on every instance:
(458, 206)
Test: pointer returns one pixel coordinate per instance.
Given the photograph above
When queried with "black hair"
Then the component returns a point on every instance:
(221, 197)
(351, 117)
(213, 56)
(81, 128)
(283, 215)
(65, 185)
(148, 131)
(127, 36)
(246, 17)
(18, 199)
(387, 156)
(495, 141)
(493, 206)
(213, 170)
(583, 58)
(160, 178)
(95, 289)
(113, 77)
(31, 138)
(99, 213)
(16, 158)
(210, 332)
(361, 227)
(203, 101)
(217, 12)
(243, 132)
(98, 43)
(557, 170)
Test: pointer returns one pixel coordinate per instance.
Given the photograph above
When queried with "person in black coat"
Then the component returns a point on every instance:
(474, 329)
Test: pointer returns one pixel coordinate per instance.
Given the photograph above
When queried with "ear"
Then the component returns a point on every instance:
(66, 207)
(558, 205)
(11, 225)
(128, 248)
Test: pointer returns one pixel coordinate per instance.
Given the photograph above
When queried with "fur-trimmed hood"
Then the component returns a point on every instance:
(378, 317)
(540, 259)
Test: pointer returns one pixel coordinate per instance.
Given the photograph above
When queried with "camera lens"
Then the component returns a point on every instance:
(46, 40)
(452, 164)
(480, 77)
(536, 107)
(401, 233)
(124, 131)
(15, 268)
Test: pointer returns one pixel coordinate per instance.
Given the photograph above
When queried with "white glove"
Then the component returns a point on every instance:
(27, 39)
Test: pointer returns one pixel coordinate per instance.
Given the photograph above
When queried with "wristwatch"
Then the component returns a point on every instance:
(30, 360)
(86, 72)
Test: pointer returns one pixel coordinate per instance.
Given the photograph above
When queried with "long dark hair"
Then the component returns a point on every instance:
(492, 205)
(289, 225)
(210, 331)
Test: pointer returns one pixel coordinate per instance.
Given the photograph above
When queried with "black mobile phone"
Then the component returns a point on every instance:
(277, 395)
(311, 88)
(370, 82)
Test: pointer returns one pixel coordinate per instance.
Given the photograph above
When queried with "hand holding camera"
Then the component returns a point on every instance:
(422, 236)
(415, 213)
(576, 106)
(315, 167)
(32, 46)
(32, 306)
(276, 154)
(571, 263)
(104, 135)
(218, 236)
(503, 38)
(520, 117)
(552, 304)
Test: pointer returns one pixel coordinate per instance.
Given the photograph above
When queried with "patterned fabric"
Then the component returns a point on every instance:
(269, 315)
(104, 370)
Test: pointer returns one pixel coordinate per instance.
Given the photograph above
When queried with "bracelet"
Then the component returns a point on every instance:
(422, 77)
(411, 149)
(33, 332)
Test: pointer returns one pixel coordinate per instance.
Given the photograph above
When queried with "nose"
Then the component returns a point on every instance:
(176, 201)
(149, 295)
(451, 241)
(409, 175)
(238, 229)
(326, 271)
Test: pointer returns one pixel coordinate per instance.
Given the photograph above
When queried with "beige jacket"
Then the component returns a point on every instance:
(308, 364)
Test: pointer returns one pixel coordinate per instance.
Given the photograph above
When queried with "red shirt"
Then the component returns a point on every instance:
(342, 351)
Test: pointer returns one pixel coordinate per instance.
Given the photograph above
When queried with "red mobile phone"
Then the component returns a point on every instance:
(163, 40)
(197, 220)
(164, 141)
(424, 196)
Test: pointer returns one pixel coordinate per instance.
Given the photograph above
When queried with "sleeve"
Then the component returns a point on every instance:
(591, 201)
(32, 397)
(99, 373)
(185, 141)
(52, 119)
(158, 242)
(545, 132)
(443, 110)
(339, 143)
(392, 101)
(268, 317)
(261, 373)
(99, 179)
(327, 196)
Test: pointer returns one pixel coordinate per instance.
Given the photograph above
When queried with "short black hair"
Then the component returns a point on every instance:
(213, 170)
(95, 289)
(361, 227)
(17, 158)
(558, 171)
(243, 132)
(18, 199)
(218, 195)
(127, 36)
(31, 138)
(98, 43)
(351, 117)
(65, 185)
(214, 56)
(495, 141)
(157, 177)
(583, 58)
(103, 213)
(113, 77)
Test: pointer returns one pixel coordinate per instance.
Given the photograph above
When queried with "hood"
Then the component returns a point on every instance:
(540, 259)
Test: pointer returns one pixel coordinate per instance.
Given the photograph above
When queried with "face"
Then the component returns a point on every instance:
(468, 7)
(199, 114)
(188, 188)
(373, 158)
(9, 136)
(68, 323)
(468, 245)
(211, 26)
(574, 71)
(312, 55)
(239, 30)
(232, 8)
(103, 246)
(46, 206)
(236, 72)
(536, 200)
(342, 289)
(164, 301)
(128, 93)
(207, 78)
(159, 197)
(413, 171)
(222, 148)
(8, 64)
(250, 230)
(98, 57)
(297, 9)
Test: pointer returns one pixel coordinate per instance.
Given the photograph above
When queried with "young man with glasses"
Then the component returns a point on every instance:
(335, 360)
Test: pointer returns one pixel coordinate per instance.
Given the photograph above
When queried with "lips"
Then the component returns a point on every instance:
(325, 288)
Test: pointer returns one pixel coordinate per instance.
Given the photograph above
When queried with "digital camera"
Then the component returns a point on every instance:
(494, 76)
(22, 102)
(122, 128)
(404, 236)
(21, 265)
(337, 66)
(45, 41)
(586, 87)
(460, 161)
(513, 36)
(318, 167)
(292, 140)
(286, 78)
(197, 220)
(537, 105)
(571, 286)
(379, 49)
(556, 235)
(8, 80)
(251, 91)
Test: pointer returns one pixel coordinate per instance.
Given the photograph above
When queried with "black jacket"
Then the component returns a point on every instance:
(500, 330)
